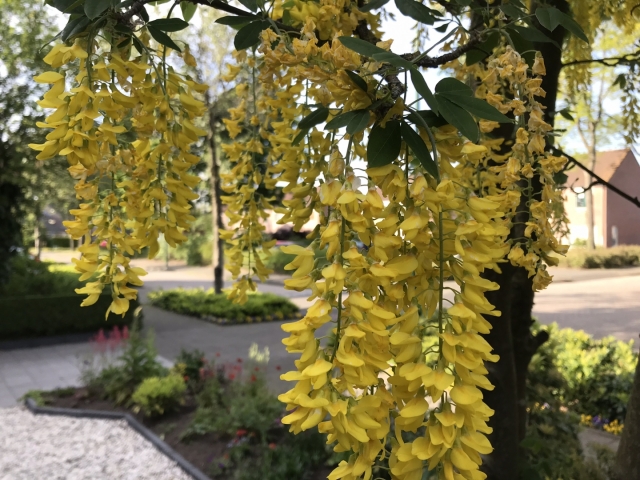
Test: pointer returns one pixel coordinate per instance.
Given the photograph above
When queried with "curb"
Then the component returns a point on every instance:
(131, 421)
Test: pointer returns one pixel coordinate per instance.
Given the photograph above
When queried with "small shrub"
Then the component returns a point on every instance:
(589, 376)
(158, 395)
(137, 362)
(201, 303)
(614, 257)
(193, 367)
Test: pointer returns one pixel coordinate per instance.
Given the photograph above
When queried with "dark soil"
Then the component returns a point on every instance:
(201, 451)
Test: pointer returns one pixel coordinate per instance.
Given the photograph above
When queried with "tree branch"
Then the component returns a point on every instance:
(600, 180)
(432, 62)
(608, 62)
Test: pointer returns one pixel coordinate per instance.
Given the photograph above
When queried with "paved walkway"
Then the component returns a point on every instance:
(601, 302)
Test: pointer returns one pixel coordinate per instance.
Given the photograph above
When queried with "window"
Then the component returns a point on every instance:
(581, 201)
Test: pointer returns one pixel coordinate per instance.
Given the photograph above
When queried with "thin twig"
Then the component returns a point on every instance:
(600, 180)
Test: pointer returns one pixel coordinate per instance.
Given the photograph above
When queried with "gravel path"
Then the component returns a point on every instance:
(64, 448)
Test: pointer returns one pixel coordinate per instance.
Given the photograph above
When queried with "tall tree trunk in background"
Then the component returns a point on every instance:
(511, 336)
(588, 195)
(217, 257)
(628, 456)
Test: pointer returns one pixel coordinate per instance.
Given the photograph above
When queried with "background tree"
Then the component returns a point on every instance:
(25, 187)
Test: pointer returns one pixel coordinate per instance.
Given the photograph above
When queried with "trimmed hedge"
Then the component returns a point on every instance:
(37, 316)
(614, 257)
(260, 307)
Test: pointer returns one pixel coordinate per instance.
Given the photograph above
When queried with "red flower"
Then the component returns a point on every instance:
(241, 433)
(239, 360)
(272, 446)
(257, 369)
(125, 332)
(217, 354)
(253, 378)
(232, 376)
(278, 367)
(186, 378)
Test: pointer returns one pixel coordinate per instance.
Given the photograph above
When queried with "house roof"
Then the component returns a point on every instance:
(606, 165)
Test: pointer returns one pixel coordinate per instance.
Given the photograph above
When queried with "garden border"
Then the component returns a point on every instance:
(159, 444)
(222, 321)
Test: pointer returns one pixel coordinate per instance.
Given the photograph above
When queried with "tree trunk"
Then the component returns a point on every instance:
(511, 335)
(217, 257)
(628, 457)
(588, 195)
(502, 464)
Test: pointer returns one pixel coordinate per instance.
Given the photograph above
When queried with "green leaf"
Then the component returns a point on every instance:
(459, 118)
(565, 113)
(252, 5)
(75, 7)
(419, 149)
(314, 118)
(188, 10)
(531, 34)
(479, 108)
(512, 11)
(358, 122)
(423, 89)
(483, 50)
(143, 14)
(168, 24)
(429, 117)
(74, 27)
(342, 120)
(67, 6)
(233, 21)
(162, 38)
(560, 178)
(393, 59)
(523, 47)
(249, 35)
(551, 17)
(452, 86)
(384, 144)
(361, 46)
(93, 8)
(442, 28)
(416, 10)
(367, 7)
(298, 138)
(357, 80)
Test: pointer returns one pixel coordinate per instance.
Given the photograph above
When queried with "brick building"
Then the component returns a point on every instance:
(616, 220)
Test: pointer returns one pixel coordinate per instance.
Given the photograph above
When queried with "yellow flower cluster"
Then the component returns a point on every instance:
(510, 85)
(375, 382)
(246, 206)
(126, 129)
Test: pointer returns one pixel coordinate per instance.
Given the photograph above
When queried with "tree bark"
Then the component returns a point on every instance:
(217, 257)
(628, 456)
(502, 464)
(588, 195)
(511, 335)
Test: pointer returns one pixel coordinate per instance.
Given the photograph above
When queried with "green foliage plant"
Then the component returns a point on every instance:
(622, 256)
(156, 396)
(207, 304)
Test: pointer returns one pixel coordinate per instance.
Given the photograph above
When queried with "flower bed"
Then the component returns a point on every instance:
(217, 308)
(221, 418)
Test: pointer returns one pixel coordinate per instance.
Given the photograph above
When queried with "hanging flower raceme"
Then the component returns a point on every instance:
(126, 129)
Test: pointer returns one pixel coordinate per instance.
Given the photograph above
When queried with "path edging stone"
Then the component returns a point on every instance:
(159, 444)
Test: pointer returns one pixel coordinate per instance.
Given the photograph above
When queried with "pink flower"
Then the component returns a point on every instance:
(125, 332)
(100, 342)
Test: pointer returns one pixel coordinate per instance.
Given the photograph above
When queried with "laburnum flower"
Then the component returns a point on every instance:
(127, 133)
